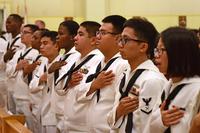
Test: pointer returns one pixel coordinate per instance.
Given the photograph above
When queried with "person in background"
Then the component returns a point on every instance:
(36, 39)
(177, 56)
(41, 24)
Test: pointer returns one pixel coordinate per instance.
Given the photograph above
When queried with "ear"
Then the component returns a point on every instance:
(72, 37)
(144, 47)
(57, 47)
(117, 37)
(93, 41)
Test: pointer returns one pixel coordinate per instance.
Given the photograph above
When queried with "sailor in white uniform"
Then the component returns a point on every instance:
(49, 49)
(75, 113)
(140, 86)
(15, 70)
(36, 69)
(3, 83)
(13, 37)
(180, 100)
(101, 90)
(66, 32)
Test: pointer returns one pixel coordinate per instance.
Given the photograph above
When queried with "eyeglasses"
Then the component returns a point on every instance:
(103, 33)
(158, 51)
(124, 40)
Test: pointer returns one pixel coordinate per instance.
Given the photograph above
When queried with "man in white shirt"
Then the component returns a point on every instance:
(75, 113)
(140, 86)
(101, 89)
(49, 49)
(34, 71)
(15, 71)
(13, 38)
(13, 28)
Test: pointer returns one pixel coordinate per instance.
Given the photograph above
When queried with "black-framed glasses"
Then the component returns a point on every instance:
(125, 40)
(103, 33)
(159, 51)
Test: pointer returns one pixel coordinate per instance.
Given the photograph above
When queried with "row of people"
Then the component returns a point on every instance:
(106, 81)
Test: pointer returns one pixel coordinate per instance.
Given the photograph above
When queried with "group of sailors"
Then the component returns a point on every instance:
(120, 76)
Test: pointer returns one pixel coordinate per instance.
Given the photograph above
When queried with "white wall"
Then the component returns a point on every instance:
(163, 13)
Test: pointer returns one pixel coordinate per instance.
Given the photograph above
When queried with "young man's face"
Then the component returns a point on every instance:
(130, 48)
(63, 37)
(82, 40)
(26, 35)
(106, 37)
(11, 25)
(48, 48)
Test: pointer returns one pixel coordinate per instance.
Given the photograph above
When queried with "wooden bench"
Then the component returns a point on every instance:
(12, 123)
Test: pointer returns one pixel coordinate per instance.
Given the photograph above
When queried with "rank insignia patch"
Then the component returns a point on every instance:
(146, 108)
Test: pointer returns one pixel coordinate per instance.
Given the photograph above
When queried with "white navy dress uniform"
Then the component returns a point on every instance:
(36, 89)
(150, 83)
(11, 43)
(75, 112)
(17, 45)
(3, 83)
(102, 103)
(21, 88)
(14, 42)
(58, 94)
(3, 49)
(48, 118)
(187, 98)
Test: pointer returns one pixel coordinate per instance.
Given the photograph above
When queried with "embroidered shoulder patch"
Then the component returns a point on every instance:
(84, 70)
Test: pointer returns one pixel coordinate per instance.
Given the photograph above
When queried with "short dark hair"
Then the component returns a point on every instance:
(183, 52)
(91, 27)
(32, 27)
(17, 18)
(117, 21)
(71, 26)
(51, 34)
(144, 30)
(42, 31)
